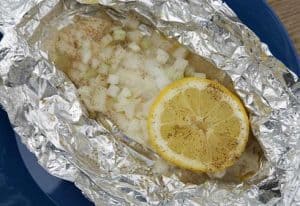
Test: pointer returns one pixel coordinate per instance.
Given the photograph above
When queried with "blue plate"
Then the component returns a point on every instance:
(24, 182)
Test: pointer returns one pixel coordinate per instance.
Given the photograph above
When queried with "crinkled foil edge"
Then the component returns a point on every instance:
(45, 112)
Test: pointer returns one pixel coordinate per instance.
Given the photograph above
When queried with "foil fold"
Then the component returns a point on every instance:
(110, 168)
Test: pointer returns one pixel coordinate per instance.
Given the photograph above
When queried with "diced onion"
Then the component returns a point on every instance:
(103, 68)
(132, 61)
(162, 56)
(146, 42)
(106, 40)
(119, 34)
(113, 79)
(180, 64)
(134, 36)
(86, 52)
(106, 53)
(95, 63)
(113, 90)
(99, 100)
(129, 108)
(132, 23)
(123, 72)
(180, 52)
(134, 47)
(125, 93)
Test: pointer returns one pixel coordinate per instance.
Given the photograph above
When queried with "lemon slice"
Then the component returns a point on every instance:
(198, 124)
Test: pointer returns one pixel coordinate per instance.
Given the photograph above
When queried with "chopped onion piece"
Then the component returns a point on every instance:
(146, 42)
(99, 100)
(84, 91)
(75, 75)
(180, 52)
(162, 56)
(189, 71)
(106, 40)
(113, 90)
(132, 61)
(118, 56)
(119, 106)
(132, 23)
(119, 34)
(106, 53)
(103, 69)
(149, 65)
(173, 74)
(95, 63)
(162, 81)
(134, 36)
(152, 67)
(134, 47)
(86, 52)
(91, 73)
(97, 82)
(130, 108)
(113, 79)
(86, 56)
(180, 64)
(125, 92)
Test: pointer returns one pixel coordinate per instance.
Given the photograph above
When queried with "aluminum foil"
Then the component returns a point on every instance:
(110, 168)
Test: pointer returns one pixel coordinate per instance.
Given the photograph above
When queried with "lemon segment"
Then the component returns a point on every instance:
(198, 124)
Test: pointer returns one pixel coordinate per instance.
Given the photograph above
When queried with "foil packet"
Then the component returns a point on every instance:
(110, 168)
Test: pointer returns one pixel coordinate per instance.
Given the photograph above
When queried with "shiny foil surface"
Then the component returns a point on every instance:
(111, 169)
